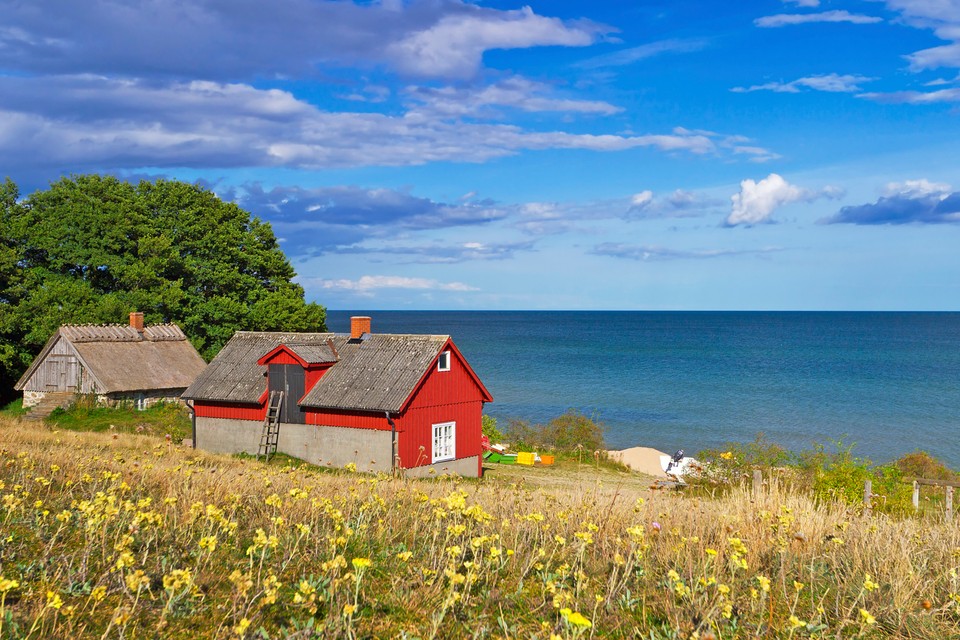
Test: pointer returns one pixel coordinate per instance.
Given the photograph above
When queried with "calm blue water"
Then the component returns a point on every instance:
(888, 382)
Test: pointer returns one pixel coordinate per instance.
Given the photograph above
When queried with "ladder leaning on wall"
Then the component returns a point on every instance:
(271, 426)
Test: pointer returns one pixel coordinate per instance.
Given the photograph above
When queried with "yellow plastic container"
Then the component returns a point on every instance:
(545, 459)
(525, 457)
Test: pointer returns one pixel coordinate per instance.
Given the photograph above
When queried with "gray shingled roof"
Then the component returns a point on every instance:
(375, 374)
(234, 375)
(313, 353)
(120, 358)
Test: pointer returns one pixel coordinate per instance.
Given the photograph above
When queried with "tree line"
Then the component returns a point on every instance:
(91, 249)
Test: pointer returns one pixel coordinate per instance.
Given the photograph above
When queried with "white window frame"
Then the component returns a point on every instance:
(140, 402)
(443, 361)
(444, 441)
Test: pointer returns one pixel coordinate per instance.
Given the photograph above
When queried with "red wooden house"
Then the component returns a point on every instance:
(382, 402)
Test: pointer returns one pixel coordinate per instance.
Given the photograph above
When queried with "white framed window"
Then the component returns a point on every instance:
(443, 362)
(444, 441)
(140, 402)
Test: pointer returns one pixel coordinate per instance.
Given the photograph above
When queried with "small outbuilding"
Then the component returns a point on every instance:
(117, 363)
(383, 402)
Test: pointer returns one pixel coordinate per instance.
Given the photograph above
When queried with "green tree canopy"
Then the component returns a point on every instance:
(92, 248)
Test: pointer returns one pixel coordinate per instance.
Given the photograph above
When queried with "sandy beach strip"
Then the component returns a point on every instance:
(643, 459)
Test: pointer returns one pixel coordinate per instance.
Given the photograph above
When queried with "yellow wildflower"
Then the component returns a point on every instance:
(866, 617)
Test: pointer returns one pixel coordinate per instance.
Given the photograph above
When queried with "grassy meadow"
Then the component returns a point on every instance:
(125, 535)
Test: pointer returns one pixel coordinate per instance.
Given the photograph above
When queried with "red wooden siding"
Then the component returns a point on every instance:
(352, 419)
(444, 396)
(282, 357)
(416, 431)
(230, 410)
(313, 374)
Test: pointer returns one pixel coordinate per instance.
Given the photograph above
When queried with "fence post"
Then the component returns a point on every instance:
(867, 496)
(949, 503)
(757, 483)
(916, 495)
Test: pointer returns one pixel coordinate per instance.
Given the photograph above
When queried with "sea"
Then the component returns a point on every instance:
(883, 383)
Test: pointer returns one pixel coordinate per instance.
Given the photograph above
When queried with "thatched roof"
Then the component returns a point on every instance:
(121, 359)
(377, 373)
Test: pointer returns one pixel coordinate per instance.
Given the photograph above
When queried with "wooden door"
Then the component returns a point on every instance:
(290, 379)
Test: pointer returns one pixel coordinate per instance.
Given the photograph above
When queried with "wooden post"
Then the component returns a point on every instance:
(867, 495)
(757, 483)
(916, 495)
(950, 503)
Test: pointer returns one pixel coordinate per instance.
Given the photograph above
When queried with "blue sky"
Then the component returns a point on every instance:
(445, 154)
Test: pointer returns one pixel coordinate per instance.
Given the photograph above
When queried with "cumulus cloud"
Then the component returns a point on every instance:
(453, 47)
(832, 82)
(96, 123)
(909, 202)
(246, 39)
(756, 201)
(373, 283)
(916, 188)
(646, 253)
(784, 19)
(643, 52)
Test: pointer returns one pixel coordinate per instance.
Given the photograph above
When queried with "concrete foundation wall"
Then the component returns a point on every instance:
(329, 446)
(466, 467)
(337, 446)
(220, 435)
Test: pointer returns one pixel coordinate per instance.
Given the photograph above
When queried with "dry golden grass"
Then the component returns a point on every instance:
(128, 536)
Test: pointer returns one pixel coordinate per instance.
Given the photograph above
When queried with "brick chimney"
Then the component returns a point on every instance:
(136, 320)
(359, 325)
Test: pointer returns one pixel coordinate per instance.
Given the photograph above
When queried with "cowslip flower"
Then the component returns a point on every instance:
(575, 618)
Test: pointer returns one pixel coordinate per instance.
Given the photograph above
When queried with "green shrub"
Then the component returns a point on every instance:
(739, 459)
(842, 476)
(921, 464)
(489, 429)
(570, 432)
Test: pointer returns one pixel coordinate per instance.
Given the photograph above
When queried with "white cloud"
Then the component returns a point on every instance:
(454, 46)
(756, 201)
(677, 204)
(831, 82)
(90, 122)
(245, 40)
(784, 19)
(644, 51)
(917, 188)
(804, 3)
(647, 253)
(941, 16)
(641, 200)
(914, 97)
(372, 283)
(516, 92)
(943, 56)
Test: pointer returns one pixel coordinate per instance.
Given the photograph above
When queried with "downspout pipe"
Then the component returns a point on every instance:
(193, 422)
(393, 442)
